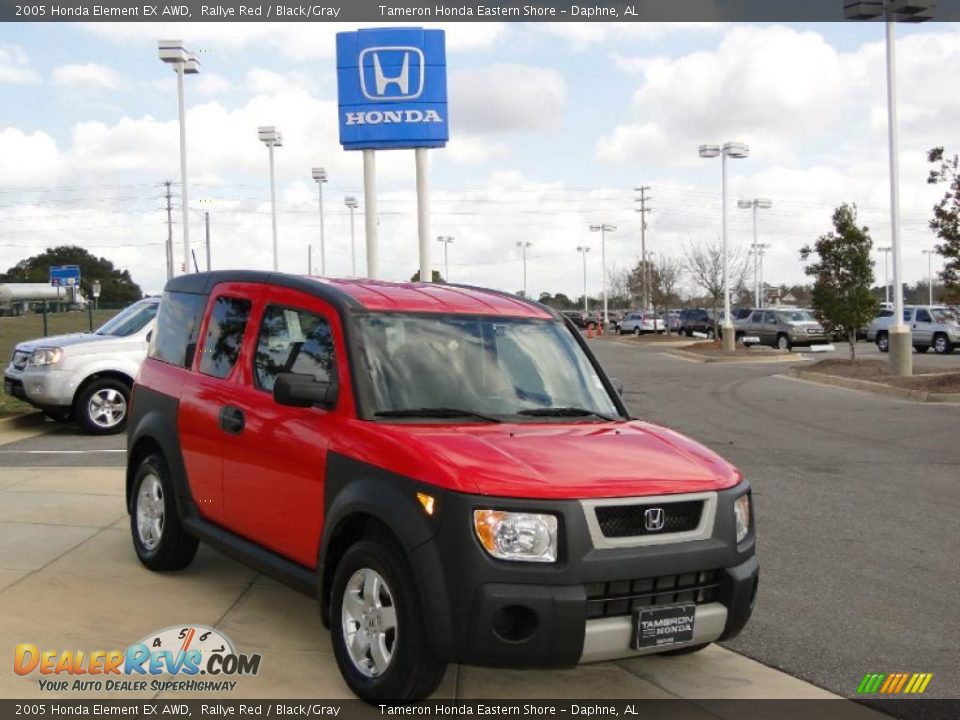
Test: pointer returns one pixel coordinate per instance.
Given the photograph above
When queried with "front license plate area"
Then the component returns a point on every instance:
(663, 626)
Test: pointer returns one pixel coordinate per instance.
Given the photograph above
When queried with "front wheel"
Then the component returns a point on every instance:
(376, 626)
(101, 408)
(636, 331)
(942, 345)
(883, 342)
(158, 536)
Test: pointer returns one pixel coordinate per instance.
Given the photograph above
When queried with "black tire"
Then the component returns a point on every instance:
(942, 344)
(112, 391)
(636, 331)
(175, 548)
(883, 342)
(711, 334)
(413, 673)
(783, 342)
(687, 650)
(921, 348)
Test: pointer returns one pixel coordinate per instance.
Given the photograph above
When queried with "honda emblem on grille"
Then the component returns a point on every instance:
(654, 519)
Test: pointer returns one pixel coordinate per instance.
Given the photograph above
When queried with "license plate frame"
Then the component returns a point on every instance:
(664, 626)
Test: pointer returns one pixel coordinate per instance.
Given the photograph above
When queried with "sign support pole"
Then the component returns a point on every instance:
(423, 213)
(370, 210)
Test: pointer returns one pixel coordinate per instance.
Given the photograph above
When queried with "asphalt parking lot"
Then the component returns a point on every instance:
(856, 498)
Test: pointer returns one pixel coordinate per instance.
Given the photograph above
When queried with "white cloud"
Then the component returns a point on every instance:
(211, 83)
(27, 159)
(87, 77)
(14, 66)
(506, 98)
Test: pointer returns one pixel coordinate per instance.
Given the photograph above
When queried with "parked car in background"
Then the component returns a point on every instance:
(85, 376)
(576, 317)
(697, 320)
(931, 326)
(672, 320)
(639, 323)
(781, 328)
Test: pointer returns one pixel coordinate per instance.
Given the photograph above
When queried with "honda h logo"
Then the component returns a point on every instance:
(654, 519)
(391, 73)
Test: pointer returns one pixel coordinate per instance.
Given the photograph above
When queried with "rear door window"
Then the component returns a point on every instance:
(225, 330)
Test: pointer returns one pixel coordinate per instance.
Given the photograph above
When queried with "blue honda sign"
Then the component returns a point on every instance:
(392, 88)
(65, 275)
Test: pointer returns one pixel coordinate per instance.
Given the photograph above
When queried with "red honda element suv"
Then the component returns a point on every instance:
(448, 470)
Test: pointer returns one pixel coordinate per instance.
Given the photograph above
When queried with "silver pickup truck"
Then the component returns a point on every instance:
(85, 376)
(931, 326)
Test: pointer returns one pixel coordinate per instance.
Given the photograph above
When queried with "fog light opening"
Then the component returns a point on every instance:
(514, 623)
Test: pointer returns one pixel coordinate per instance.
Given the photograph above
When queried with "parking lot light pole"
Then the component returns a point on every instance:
(583, 250)
(320, 176)
(603, 229)
(446, 240)
(929, 254)
(523, 245)
(736, 150)
(351, 203)
(272, 138)
(174, 53)
(893, 11)
(755, 204)
(886, 272)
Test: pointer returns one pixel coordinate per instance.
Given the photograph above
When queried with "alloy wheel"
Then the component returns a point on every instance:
(150, 512)
(369, 619)
(107, 408)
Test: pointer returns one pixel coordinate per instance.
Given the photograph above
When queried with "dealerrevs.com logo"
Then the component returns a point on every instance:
(181, 658)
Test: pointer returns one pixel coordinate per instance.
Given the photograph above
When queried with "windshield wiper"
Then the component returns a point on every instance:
(434, 412)
(565, 412)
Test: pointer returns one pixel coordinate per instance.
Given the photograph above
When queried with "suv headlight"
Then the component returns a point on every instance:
(46, 356)
(741, 512)
(530, 537)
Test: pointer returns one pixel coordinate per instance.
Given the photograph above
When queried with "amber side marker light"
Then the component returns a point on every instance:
(427, 502)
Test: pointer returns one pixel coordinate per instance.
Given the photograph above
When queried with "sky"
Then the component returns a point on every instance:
(552, 128)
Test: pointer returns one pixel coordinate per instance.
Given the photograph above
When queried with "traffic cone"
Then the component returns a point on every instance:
(589, 332)
(599, 328)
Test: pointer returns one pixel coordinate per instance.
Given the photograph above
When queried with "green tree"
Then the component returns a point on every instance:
(116, 285)
(437, 277)
(946, 218)
(843, 275)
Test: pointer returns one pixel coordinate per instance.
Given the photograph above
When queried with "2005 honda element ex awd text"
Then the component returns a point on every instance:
(446, 469)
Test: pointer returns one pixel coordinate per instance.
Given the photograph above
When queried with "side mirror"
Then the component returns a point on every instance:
(298, 390)
(617, 385)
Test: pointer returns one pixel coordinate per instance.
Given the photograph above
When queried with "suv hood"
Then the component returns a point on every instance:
(62, 341)
(565, 461)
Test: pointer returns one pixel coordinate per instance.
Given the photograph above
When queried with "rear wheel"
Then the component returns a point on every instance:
(711, 333)
(101, 408)
(883, 342)
(636, 331)
(942, 344)
(376, 625)
(158, 536)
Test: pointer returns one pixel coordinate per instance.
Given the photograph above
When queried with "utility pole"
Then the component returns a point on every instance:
(168, 183)
(644, 268)
(523, 245)
(206, 224)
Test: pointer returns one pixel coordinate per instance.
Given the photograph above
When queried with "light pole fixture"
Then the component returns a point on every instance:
(756, 204)
(736, 150)
(583, 250)
(320, 176)
(886, 272)
(603, 229)
(893, 11)
(446, 240)
(929, 254)
(174, 53)
(272, 138)
(351, 203)
(523, 245)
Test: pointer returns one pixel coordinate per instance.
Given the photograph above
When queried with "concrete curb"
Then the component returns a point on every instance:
(735, 360)
(653, 343)
(874, 387)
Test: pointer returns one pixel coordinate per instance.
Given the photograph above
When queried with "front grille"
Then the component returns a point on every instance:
(621, 597)
(617, 521)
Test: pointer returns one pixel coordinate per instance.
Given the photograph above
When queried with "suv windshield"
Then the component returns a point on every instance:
(943, 315)
(480, 366)
(796, 316)
(131, 320)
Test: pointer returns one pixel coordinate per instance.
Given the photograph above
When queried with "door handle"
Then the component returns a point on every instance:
(231, 420)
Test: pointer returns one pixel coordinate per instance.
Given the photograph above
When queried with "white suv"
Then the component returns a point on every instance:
(640, 323)
(85, 376)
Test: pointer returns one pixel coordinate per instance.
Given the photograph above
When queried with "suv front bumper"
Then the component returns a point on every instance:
(501, 613)
(42, 387)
